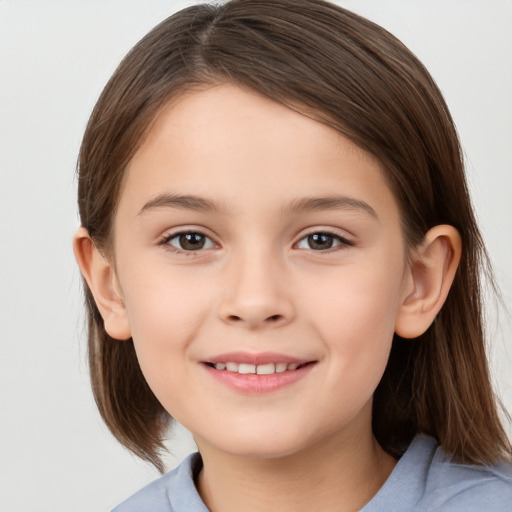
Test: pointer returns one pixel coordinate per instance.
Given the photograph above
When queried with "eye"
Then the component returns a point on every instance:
(322, 241)
(189, 241)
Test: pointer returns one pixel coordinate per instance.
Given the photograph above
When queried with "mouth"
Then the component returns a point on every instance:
(256, 374)
(257, 369)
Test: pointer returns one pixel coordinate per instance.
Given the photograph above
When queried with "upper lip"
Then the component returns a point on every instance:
(255, 358)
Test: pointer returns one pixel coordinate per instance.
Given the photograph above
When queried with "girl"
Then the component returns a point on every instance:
(280, 253)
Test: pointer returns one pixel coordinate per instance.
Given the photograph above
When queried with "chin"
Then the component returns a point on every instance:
(260, 445)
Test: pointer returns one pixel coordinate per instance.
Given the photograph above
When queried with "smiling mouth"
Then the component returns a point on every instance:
(257, 369)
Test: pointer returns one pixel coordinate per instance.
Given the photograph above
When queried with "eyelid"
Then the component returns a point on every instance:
(342, 238)
(172, 234)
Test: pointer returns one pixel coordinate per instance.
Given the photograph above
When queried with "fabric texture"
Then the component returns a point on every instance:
(424, 480)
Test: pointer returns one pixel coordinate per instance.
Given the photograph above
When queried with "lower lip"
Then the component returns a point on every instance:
(259, 384)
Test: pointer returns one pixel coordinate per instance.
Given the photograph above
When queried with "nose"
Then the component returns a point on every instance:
(256, 294)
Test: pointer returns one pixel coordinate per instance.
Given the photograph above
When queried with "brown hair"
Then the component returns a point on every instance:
(351, 74)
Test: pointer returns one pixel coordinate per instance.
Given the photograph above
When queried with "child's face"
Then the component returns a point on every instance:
(295, 254)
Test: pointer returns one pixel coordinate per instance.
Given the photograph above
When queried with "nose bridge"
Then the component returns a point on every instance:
(256, 294)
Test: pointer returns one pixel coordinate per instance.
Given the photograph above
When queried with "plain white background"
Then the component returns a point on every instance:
(55, 57)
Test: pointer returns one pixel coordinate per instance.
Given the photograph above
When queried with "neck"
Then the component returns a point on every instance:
(341, 475)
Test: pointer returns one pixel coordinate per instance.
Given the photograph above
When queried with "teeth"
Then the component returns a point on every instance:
(281, 367)
(266, 369)
(246, 368)
(260, 369)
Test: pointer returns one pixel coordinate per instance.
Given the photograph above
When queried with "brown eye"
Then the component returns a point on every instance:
(321, 241)
(190, 241)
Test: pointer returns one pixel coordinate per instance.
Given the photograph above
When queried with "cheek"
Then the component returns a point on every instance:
(162, 298)
(165, 315)
(356, 319)
(358, 298)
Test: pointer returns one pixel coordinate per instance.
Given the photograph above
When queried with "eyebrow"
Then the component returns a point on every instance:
(309, 204)
(300, 205)
(187, 202)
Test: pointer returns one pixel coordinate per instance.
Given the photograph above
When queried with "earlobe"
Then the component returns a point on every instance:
(102, 281)
(430, 276)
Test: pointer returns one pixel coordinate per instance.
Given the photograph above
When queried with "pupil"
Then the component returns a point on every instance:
(320, 241)
(192, 241)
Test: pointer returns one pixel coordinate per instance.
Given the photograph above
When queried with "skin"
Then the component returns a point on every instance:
(259, 285)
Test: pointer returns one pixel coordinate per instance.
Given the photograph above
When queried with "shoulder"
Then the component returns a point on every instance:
(173, 492)
(453, 487)
(427, 480)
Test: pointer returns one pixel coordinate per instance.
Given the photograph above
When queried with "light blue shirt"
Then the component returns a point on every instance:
(424, 480)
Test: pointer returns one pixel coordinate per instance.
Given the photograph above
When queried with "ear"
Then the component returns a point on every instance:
(428, 281)
(102, 281)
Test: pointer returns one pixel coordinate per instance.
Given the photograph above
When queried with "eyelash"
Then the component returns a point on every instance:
(335, 236)
(165, 241)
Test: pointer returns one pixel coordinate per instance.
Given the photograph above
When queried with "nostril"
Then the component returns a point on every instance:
(253, 318)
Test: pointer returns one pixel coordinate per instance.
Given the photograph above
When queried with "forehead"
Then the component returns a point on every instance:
(234, 143)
